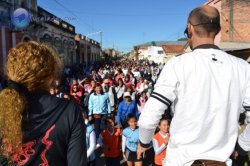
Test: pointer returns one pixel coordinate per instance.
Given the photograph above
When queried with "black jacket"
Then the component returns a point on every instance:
(54, 132)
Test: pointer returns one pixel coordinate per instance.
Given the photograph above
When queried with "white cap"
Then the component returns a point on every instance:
(127, 94)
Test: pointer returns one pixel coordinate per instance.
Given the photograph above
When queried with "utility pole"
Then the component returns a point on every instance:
(231, 20)
(101, 39)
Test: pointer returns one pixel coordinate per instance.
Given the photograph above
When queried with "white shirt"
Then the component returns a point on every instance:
(137, 74)
(92, 142)
(207, 97)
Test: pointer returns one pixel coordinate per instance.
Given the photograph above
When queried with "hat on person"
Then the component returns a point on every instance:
(126, 94)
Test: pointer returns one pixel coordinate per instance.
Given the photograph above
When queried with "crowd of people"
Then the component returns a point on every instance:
(112, 96)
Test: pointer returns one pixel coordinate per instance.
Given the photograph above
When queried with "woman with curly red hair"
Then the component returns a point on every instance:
(35, 127)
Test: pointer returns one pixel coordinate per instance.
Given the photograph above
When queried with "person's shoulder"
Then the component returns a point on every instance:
(185, 55)
(106, 94)
(137, 130)
(133, 102)
(71, 112)
(242, 65)
(104, 133)
(156, 136)
(92, 95)
(89, 128)
(118, 131)
(72, 107)
(238, 60)
(47, 100)
(125, 131)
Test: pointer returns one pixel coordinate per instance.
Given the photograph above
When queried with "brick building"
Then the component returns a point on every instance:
(235, 16)
(235, 23)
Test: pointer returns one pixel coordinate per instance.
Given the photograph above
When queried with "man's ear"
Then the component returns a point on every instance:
(219, 29)
(190, 31)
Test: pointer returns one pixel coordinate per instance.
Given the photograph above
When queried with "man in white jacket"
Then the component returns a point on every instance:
(208, 89)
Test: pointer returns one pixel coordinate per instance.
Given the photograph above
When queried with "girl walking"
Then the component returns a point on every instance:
(130, 139)
(160, 141)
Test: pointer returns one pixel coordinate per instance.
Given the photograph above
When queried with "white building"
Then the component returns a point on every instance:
(152, 53)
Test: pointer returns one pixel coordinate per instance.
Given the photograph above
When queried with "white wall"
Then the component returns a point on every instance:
(152, 53)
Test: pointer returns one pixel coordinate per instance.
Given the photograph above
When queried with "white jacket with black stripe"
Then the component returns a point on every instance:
(208, 89)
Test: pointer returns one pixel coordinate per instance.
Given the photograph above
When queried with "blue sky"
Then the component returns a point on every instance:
(125, 23)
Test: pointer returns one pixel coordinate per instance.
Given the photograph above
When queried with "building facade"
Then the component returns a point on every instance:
(151, 53)
(158, 51)
(9, 35)
(46, 28)
(172, 51)
(57, 34)
(88, 50)
(235, 23)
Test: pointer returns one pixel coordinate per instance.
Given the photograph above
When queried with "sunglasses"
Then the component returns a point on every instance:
(186, 33)
(186, 30)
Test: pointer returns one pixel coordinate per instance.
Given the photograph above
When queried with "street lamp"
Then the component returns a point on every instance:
(94, 33)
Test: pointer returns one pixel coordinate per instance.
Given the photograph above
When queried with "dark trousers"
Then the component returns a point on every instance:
(110, 161)
(99, 124)
(241, 160)
(91, 163)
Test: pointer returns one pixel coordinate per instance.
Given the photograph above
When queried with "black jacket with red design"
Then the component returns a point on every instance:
(54, 133)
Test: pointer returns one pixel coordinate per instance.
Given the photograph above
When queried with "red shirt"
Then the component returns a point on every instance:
(113, 142)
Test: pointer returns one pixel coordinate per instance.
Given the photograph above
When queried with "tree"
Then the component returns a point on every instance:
(182, 39)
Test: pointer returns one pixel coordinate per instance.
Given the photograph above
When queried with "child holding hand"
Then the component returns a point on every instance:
(160, 141)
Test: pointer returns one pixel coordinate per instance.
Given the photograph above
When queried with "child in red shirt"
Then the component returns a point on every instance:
(110, 140)
(160, 141)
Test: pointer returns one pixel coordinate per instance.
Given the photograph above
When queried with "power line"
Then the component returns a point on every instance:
(72, 13)
(132, 15)
(114, 14)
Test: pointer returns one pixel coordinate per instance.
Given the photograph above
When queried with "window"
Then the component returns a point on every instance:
(28, 4)
(56, 21)
(70, 28)
(64, 25)
(22, 4)
(17, 3)
(160, 52)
